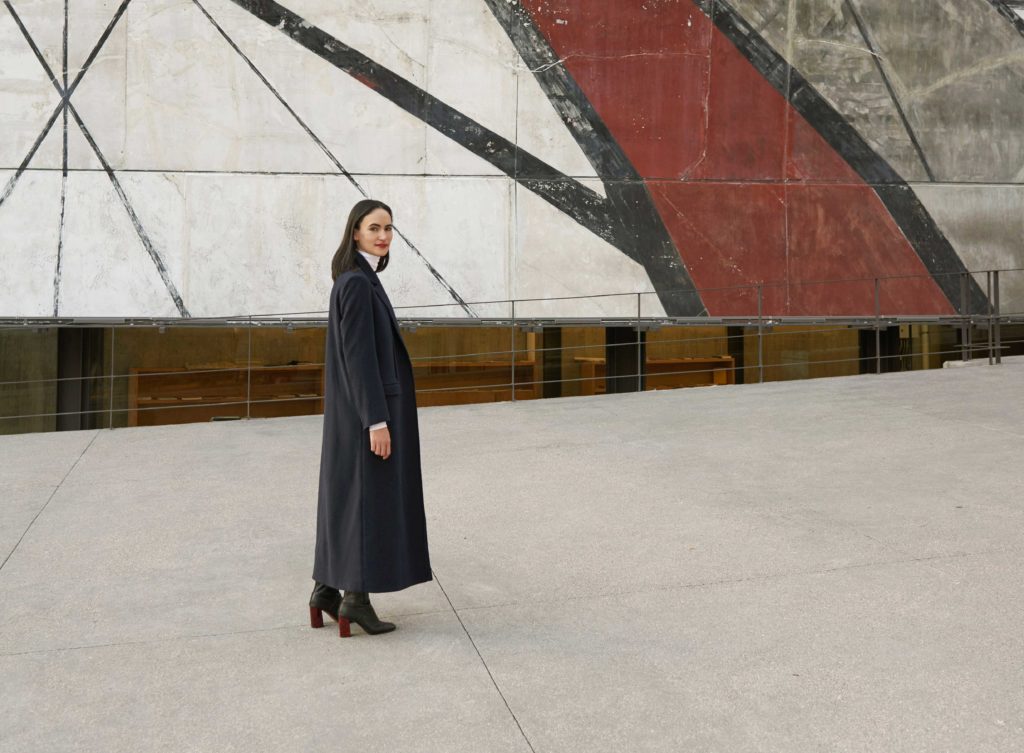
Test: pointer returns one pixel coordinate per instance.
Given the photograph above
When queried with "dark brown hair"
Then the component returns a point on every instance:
(345, 257)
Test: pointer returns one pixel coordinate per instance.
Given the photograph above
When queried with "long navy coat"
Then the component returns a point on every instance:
(371, 531)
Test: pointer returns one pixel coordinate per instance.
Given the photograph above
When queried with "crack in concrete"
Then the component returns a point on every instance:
(48, 500)
(983, 66)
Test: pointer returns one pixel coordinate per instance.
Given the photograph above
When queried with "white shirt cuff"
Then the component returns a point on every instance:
(381, 425)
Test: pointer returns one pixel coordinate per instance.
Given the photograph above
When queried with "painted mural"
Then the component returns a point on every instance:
(197, 158)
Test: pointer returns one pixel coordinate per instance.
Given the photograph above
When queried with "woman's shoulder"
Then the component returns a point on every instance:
(351, 284)
(350, 278)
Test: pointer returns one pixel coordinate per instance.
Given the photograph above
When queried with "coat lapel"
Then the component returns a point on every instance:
(378, 290)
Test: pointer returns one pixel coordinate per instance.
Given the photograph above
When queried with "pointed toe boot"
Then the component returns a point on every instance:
(356, 607)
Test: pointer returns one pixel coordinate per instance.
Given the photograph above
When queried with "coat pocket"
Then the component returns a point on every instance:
(392, 388)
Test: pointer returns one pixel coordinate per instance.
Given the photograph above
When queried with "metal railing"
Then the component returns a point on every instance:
(510, 314)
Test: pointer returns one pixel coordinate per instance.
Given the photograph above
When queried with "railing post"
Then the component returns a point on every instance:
(995, 306)
(110, 407)
(965, 347)
(878, 326)
(760, 332)
(248, 374)
(639, 366)
(988, 325)
(513, 329)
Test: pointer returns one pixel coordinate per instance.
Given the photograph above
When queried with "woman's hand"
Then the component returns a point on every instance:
(380, 442)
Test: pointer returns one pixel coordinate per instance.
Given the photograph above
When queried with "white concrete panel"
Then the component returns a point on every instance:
(105, 269)
(192, 103)
(100, 96)
(248, 244)
(29, 227)
(985, 224)
(555, 256)
(81, 155)
(463, 227)
(44, 20)
(364, 131)
(27, 97)
(50, 154)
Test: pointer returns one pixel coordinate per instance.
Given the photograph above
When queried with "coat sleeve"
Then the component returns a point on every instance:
(358, 345)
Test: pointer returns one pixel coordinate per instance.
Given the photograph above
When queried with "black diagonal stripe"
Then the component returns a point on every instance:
(615, 219)
(1007, 12)
(932, 247)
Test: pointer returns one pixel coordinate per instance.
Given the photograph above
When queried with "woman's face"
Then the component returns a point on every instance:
(374, 233)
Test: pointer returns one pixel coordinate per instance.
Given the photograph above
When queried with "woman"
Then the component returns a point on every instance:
(371, 532)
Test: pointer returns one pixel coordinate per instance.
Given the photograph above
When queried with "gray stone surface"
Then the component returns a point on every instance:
(985, 223)
(798, 566)
(957, 67)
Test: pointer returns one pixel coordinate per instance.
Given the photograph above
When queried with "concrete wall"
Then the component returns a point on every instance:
(530, 150)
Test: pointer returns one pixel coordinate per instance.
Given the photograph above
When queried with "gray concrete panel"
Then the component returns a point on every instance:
(985, 224)
(958, 68)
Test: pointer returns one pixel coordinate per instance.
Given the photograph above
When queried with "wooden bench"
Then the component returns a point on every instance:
(663, 373)
(179, 396)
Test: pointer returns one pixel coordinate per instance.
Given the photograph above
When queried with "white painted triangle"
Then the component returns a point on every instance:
(44, 21)
(473, 260)
(81, 155)
(366, 132)
(474, 67)
(542, 133)
(29, 228)
(556, 258)
(106, 270)
(188, 101)
(50, 154)
(27, 97)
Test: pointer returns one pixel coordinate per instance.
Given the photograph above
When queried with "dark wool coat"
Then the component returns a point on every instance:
(371, 532)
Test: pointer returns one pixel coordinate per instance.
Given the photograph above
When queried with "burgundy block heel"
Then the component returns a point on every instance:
(344, 628)
(316, 617)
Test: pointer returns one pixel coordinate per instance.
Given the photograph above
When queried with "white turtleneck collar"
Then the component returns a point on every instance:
(374, 261)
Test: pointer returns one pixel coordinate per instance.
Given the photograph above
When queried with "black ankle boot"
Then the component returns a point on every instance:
(356, 607)
(323, 599)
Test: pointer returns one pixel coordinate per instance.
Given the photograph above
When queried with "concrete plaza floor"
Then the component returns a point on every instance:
(828, 565)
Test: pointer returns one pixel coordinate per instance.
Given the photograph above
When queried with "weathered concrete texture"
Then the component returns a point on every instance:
(958, 68)
(986, 225)
(830, 564)
(829, 50)
(590, 267)
(29, 231)
(27, 98)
